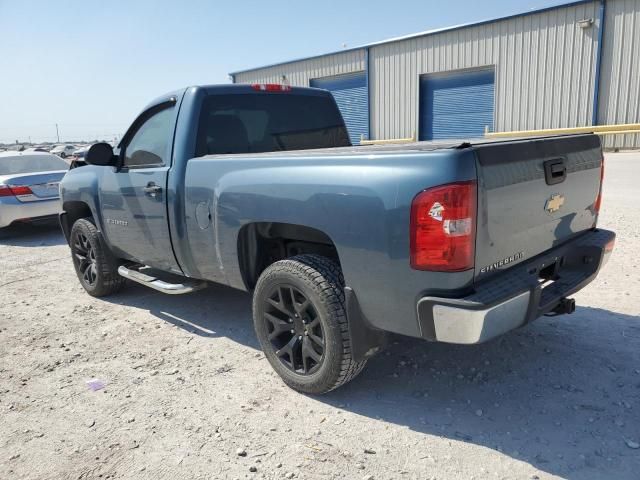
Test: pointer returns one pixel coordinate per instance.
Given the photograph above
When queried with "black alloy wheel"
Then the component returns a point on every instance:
(84, 258)
(300, 320)
(95, 265)
(294, 329)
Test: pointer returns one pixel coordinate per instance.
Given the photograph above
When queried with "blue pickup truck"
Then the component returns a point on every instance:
(258, 187)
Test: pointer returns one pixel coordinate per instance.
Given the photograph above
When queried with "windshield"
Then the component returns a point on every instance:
(244, 123)
(19, 164)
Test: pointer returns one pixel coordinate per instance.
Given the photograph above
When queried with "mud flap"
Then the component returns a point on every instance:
(365, 340)
(63, 219)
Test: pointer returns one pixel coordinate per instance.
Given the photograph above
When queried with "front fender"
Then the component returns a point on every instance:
(80, 187)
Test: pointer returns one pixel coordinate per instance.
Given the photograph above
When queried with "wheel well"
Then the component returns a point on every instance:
(262, 243)
(74, 211)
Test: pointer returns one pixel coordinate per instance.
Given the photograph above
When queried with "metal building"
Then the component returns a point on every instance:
(572, 65)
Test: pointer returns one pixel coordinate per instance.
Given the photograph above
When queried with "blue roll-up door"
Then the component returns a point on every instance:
(350, 92)
(456, 105)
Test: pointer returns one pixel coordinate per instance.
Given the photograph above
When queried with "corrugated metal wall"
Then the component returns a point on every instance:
(544, 70)
(299, 73)
(620, 78)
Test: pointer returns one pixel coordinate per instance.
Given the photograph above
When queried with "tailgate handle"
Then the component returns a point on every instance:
(555, 171)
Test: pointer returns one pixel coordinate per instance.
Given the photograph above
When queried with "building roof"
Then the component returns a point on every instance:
(419, 34)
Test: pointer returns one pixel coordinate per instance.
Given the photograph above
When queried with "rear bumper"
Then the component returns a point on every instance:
(517, 296)
(12, 209)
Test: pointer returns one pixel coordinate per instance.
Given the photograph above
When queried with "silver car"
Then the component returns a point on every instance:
(63, 150)
(29, 186)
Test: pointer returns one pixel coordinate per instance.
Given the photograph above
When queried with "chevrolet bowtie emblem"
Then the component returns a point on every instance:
(554, 203)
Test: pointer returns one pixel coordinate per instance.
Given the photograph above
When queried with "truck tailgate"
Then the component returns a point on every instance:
(533, 195)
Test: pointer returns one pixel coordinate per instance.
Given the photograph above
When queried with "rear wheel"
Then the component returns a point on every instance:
(95, 266)
(300, 320)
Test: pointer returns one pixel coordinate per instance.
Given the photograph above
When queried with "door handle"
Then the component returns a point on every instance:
(152, 189)
(555, 171)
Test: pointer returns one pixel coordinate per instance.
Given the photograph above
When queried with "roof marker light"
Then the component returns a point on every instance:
(270, 87)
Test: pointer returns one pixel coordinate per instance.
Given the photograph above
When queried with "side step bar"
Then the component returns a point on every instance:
(132, 272)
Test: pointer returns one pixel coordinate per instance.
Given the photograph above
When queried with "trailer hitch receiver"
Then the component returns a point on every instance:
(566, 305)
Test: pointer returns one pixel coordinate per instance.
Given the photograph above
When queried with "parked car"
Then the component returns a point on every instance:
(29, 184)
(454, 242)
(63, 150)
(35, 149)
(77, 159)
(80, 152)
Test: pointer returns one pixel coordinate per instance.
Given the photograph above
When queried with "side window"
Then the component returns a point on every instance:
(148, 147)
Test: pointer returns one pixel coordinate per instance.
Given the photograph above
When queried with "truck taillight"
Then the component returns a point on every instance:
(270, 87)
(598, 202)
(11, 191)
(443, 228)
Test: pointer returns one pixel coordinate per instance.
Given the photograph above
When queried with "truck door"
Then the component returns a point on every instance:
(134, 196)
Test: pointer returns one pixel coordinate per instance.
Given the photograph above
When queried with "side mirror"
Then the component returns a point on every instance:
(101, 154)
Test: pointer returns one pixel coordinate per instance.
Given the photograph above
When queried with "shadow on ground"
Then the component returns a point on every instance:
(561, 395)
(42, 234)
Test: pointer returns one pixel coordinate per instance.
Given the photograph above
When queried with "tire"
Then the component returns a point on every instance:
(63, 155)
(312, 288)
(95, 266)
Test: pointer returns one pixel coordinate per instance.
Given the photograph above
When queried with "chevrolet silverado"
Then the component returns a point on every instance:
(258, 187)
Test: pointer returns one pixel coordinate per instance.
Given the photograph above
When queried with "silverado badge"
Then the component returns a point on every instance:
(502, 263)
(554, 203)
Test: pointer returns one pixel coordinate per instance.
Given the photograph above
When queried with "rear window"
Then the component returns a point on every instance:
(252, 123)
(15, 165)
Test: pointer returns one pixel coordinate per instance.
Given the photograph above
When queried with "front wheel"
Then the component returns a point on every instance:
(300, 320)
(95, 266)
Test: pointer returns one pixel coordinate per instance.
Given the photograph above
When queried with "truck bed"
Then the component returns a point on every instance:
(399, 148)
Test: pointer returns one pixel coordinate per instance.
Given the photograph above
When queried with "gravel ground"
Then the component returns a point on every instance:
(187, 393)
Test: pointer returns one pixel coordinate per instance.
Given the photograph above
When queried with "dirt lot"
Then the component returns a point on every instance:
(186, 386)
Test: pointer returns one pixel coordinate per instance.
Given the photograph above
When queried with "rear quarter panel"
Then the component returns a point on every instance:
(362, 202)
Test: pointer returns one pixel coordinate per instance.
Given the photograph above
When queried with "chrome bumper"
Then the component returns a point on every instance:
(516, 296)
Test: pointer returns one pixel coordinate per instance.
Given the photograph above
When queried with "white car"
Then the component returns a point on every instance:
(63, 150)
(29, 186)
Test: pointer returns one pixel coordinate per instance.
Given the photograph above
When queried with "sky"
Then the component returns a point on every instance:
(90, 66)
